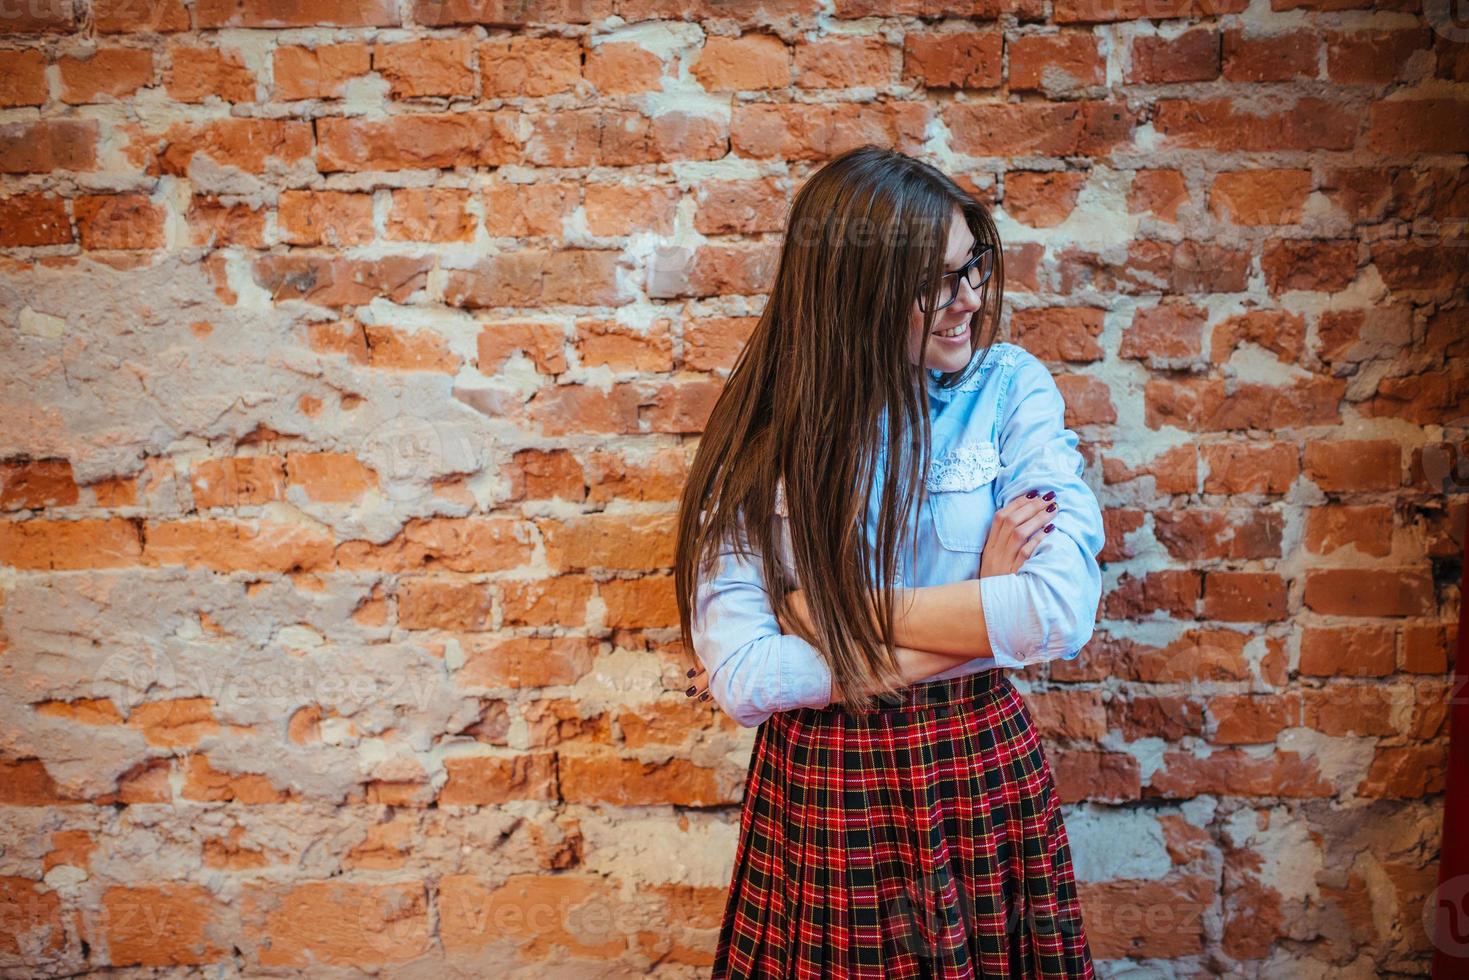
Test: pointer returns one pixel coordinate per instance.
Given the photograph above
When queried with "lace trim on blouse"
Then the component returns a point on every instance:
(964, 467)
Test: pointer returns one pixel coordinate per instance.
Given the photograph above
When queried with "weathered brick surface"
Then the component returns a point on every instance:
(352, 355)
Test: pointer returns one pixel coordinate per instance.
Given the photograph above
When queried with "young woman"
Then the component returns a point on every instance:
(885, 515)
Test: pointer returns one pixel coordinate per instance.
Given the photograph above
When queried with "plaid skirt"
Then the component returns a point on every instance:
(922, 838)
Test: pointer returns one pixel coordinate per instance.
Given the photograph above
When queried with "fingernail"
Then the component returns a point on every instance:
(692, 672)
(1049, 528)
(690, 691)
(1051, 507)
(1032, 493)
(704, 696)
(1050, 495)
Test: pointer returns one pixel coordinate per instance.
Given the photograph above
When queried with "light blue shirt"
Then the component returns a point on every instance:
(995, 437)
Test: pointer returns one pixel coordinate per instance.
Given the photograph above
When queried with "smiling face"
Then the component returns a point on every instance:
(949, 353)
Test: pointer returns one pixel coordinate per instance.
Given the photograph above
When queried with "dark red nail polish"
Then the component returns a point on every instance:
(1049, 528)
(1050, 508)
(690, 691)
(1032, 493)
(1050, 495)
(704, 696)
(692, 672)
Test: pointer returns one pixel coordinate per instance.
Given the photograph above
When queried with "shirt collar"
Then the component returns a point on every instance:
(933, 380)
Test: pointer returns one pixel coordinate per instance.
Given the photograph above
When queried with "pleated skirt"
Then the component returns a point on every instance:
(922, 838)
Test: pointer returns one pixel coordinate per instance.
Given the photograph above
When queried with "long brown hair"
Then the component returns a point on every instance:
(828, 357)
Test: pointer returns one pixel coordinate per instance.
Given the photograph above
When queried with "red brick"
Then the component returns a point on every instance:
(1260, 197)
(490, 781)
(544, 344)
(159, 925)
(1217, 124)
(1170, 331)
(209, 14)
(1405, 264)
(318, 73)
(1058, 333)
(624, 348)
(430, 214)
(623, 69)
(537, 209)
(1207, 406)
(740, 206)
(821, 131)
(442, 603)
(215, 224)
(325, 218)
(428, 66)
(1270, 58)
(535, 277)
(1055, 63)
(1250, 468)
(227, 546)
(1355, 651)
(1348, 465)
(327, 280)
(1038, 128)
(604, 777)
(1107, 11)
(753, 61)
(198, 73)
(45, 145)
(497, 13)
(1409, 127)
(427, 141)
(618, 209)
(844, 62)
(1372, 57)
(109, 74)
(524, 67)
(245, 144)
(335, 926)
(1042, 198)
(1281, 333)
(1318, 266)
(329, 477)
(954, 59)
(39, 16)
(22, 77)
(397, 350)
(28, 220)
(1157, 192)
(49, 545)
(1192, 56)
(1369, 591)
(238, 481)
(1369, 529)
(1244, 597)
(125, 221)
(131, 16)
(37, 485)
(619, 137)
(474, 545)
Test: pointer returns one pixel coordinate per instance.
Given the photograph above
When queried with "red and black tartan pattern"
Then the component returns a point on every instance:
(923, 838)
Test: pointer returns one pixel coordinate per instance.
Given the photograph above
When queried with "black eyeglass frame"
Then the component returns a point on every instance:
(986, 251)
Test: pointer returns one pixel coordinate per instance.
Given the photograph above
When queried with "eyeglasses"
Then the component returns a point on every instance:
(976, 271)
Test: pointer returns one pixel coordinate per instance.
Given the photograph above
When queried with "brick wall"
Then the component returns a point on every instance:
(354, 354)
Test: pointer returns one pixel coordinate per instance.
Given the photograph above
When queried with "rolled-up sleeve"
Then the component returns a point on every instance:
(1047, 610)
(754, 669)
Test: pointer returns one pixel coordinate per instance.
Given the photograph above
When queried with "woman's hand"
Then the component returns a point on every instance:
(699, 689)
(1017, 531)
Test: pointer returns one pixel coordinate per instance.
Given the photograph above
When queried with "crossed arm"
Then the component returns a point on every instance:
(935, 627)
